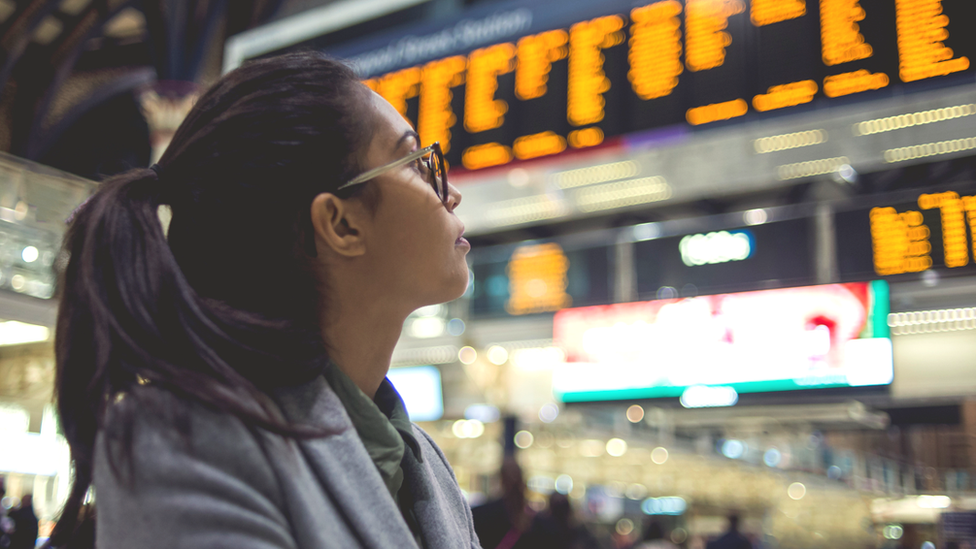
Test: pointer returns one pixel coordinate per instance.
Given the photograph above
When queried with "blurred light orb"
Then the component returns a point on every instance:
(893, 531)
(733, 449)
(666, 292)
(635, 413)
(524, 439)
(467, 355)
(847, 173)
(30, 254)
(928, 545)
(834, 472)
(625, 526)
(564, 484)
(679, 535)
(772, 457)
(548, 413)
(616, 447)
(18, 282)
(497, 355)
(468, 428)
(755, 217)
(636, 492)
(455, 326)
(673, 506)
(796, 491)
(659, 455)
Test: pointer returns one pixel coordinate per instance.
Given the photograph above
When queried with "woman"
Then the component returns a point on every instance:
(224, 385)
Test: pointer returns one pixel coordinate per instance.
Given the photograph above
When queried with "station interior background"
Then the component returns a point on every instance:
(724, 251)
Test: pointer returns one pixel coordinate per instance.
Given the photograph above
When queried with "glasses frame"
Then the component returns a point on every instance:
(436, 155)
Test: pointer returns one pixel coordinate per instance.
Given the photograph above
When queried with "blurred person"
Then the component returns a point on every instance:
(6, 523)
(507, 522)
(653, 537)
(561, 529)
(732, 539)
(25, 524)
(224, 384)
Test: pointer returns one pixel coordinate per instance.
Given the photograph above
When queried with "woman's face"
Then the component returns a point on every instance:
(414, 239)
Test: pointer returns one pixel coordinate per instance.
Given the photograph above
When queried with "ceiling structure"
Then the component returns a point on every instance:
(70, 69)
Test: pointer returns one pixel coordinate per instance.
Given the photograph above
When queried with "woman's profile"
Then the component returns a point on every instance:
(223, 383)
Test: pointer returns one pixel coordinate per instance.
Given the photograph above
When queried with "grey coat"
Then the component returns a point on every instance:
(222, 487)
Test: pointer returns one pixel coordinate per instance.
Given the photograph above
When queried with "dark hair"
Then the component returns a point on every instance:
(227, 308)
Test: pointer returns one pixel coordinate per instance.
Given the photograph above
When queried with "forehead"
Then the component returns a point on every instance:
(390, 126)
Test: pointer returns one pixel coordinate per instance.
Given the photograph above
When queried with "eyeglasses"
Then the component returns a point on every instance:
(430, 163)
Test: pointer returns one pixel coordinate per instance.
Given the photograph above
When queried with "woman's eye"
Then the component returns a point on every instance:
(421, 166)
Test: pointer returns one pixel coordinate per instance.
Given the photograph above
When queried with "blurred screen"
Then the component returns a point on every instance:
(581, 277)
(810, 337)
(763, 256)
(420, 389)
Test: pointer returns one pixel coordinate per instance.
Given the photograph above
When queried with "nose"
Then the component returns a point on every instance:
(453, 197)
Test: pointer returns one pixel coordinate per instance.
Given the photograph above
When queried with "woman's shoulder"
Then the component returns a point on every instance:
(169, 472)
(152, 432)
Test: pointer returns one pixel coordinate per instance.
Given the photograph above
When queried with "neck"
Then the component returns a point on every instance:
(360, 332)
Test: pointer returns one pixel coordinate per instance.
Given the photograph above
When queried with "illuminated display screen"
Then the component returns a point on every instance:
(420, 389)
(769, 255)
(936, 230)
(540, 278)
(787, 339)
(576, 74)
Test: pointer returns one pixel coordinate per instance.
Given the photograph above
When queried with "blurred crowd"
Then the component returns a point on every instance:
(18, 524)
(509, 522)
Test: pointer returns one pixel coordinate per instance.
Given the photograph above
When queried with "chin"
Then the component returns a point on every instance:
(453, 288)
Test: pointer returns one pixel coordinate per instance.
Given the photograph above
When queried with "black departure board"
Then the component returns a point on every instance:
(633, 68)
(574, 277)
(934, 229)
(771, 255)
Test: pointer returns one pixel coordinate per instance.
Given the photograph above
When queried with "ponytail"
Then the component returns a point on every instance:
(128, 316)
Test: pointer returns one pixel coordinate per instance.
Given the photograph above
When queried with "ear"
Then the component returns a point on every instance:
(338, 225)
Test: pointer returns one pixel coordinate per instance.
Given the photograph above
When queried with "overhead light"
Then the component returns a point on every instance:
(788, 141)
(902, 154)
(891, 123)
(13, 332)
(938, 320)
(29, 254)
(623, 193)
(525, 210)
(443, 354)
(595, 174)
(811, 168)
(757, 216)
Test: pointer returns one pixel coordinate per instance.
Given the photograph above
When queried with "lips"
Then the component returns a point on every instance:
(461, 241)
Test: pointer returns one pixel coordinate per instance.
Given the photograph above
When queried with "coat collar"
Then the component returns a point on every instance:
(343, 466)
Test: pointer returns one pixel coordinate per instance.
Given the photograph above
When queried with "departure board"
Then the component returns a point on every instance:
(540, 278)
(690, 63)
(933, 230)
(773, 255)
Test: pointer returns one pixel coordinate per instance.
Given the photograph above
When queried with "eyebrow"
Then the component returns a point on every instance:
(407, 134)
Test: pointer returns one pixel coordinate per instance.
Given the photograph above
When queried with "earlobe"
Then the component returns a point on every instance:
(336, 226)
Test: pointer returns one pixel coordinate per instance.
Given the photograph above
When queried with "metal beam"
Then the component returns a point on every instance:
(126, 82)
(63, 60)
(18, 34)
